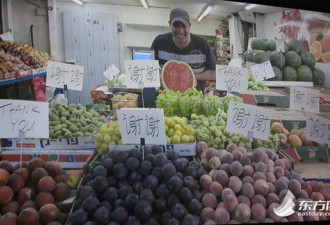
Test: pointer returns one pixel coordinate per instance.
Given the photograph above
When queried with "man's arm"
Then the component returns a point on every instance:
(206, 75)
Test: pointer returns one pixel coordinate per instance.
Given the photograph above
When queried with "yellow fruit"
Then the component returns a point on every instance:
(316, 50)
(326, 57)
(176, 139)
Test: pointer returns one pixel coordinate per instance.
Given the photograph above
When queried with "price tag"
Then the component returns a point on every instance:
(230, 78)
(317, 128)
(142, 123)
(280, 45)
(59, 74)
(304, 99)
(145, 72)
(262, 71)
(29, 117)
(248, 120)
(112, 72)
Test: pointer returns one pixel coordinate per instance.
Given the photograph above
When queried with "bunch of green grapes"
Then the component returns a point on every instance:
(211, 104)
(109, 134)
(256, 86)
(191, 102)
(169, 101)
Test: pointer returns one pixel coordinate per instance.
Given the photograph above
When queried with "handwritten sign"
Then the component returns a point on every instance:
(317, 129)
(24, 116)
(230, 78)
(142, 73)
(262, 71)
(60, 74)
(142, 123)
(280, 45)
(111, 72)
(304, 99)
(248, 120)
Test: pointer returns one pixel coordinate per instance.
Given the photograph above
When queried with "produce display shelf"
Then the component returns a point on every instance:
(287, 83)
(313, 170)
(17, 80)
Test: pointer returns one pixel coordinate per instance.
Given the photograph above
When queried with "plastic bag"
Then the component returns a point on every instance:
(59, 98)
(38, 88)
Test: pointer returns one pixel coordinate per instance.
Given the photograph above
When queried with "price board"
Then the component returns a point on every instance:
(142, 73)
(317, 128)
(248, 120)
(304, 99)
(17, 116)
(229, 78)
(262, 71)
(142, 123)
(280, 45)
(60, 74)
(112, 72)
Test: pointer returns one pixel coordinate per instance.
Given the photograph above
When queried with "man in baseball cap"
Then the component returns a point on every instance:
(180, 15)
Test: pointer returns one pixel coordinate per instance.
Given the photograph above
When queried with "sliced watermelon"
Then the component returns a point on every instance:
(178, 76)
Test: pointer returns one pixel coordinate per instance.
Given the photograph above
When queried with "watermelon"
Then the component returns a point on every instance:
(247, 55)
(296, 45)
(292, 59)
(304, 73)
(277, 72)
(259, 44)
(271, 45)
(307, 59)
(277, 59)
(318, 77)
(178, 76)
(260, 56)
(289, 73)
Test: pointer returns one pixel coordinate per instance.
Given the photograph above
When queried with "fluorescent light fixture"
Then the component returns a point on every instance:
(79, 2)
(144, 3)
(205, 12)
(250, 6)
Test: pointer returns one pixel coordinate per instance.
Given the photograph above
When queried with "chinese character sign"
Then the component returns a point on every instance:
(248, 120)
(142, 123)
(305, 99)
(230, 78)
(262, 71)
(26, 116)
(143, 73)
(317, 128)
(60, 74)
(111, 72)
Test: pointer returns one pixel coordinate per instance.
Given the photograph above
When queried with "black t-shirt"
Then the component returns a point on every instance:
(198, 54)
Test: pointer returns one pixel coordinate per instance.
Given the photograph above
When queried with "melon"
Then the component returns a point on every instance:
(318, 77)
(259, 44)
(289, 73)
(292, 59)
(260, 56)
(296, 45)
(178, 76)
(277, 59)
(307, 59)
(278, 74)
(271, 45)
(304, 73)
(247, 56)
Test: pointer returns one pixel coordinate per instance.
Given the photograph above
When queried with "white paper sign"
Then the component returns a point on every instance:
(304, 99)
(30, 117)
(262, 71)
(142, 73)
(248, 120)
(60, 74)
(317, 129)
(236, 62)
(7, 37)
(280, 45)
(230, 78)
(111, 72)
(142, 123)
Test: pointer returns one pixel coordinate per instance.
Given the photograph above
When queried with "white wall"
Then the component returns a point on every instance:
(140, 26)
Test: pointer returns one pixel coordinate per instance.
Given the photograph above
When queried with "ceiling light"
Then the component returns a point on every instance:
(250, 6)
(79, 2)
(144, 3)
(204, 13)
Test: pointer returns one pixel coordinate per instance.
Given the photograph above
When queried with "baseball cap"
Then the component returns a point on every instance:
(181, 15)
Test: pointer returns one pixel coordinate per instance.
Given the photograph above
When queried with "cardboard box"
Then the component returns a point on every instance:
(265, 98)
(48, 144)
(68, 159)
(188, 149)
(308, 153)
(100, 92)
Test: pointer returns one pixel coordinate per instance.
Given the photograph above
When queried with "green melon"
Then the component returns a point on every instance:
(307, 59)
(304, 73)
(292, 59)
(277, 59)
(259, 44)
(271, 45)
(260, 56)
(318, 77)
(277, 72)
(289, 73)
(296, 45)
(247, 55)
